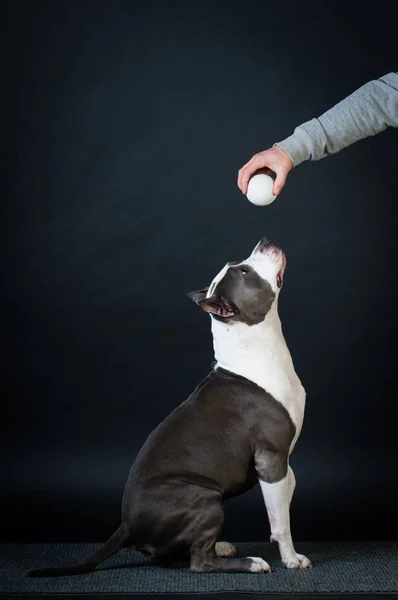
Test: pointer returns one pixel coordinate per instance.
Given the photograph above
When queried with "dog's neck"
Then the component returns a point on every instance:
(259, 353)
(236, 344)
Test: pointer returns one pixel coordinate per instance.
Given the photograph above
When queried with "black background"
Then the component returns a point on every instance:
(125, 126)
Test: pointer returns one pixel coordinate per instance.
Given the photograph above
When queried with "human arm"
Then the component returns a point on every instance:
(366, 112)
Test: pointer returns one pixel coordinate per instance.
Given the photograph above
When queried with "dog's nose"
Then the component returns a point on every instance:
(265, 244)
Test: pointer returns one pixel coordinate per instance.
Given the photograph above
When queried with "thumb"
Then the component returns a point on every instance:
(280, 181)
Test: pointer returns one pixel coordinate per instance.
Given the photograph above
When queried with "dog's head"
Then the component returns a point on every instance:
(243, 292)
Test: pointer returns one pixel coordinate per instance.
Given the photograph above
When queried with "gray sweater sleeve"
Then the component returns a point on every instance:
(369, 110)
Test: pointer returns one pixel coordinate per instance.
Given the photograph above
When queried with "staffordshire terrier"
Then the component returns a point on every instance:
(237, 428)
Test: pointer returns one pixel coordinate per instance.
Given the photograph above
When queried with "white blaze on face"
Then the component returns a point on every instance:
(216, 280)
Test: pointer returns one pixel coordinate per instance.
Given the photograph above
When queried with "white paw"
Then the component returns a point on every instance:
(225, 549)
(297, 561)
(259, 565)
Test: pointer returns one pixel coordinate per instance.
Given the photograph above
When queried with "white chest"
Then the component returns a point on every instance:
(263, 357)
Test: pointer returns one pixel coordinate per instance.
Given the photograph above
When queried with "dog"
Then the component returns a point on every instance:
(237, 428)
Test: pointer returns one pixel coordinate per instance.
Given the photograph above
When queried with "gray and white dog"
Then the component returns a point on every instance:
(237, 428)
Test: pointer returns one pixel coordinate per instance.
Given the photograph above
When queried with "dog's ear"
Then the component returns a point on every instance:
(198, 295)
(213, 305)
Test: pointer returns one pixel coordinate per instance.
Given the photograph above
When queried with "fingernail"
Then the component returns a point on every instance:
(276, 191)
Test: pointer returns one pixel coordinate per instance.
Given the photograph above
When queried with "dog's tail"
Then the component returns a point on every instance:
(115, 543)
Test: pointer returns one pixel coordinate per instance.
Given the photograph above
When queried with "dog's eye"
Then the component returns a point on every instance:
(243, 270)
(279, 280)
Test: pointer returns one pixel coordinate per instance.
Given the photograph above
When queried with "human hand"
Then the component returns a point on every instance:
(274, 159)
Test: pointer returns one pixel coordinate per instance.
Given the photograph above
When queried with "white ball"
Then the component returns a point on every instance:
(259, 190)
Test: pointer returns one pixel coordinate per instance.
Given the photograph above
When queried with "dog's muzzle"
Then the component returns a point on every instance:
(265, 244)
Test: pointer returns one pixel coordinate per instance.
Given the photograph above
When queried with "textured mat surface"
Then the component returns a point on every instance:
(337, 567)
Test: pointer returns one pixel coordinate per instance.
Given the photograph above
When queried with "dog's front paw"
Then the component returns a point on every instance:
(297, 561)
(259, 565)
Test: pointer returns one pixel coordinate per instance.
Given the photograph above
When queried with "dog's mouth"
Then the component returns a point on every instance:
(226, 312)
(222, 309)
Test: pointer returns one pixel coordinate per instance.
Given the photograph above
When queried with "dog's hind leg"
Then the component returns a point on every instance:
(208, 524)
(225, 549)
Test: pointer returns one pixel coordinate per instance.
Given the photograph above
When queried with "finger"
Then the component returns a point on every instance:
(242, 170)
(280, 181)
(248, 171)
